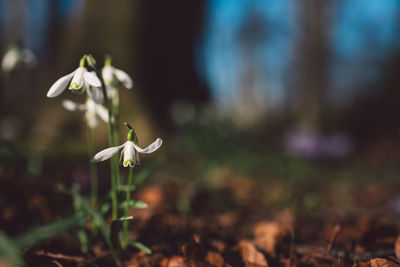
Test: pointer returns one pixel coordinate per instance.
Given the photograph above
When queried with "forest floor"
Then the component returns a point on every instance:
(236, 221)
(248, 210)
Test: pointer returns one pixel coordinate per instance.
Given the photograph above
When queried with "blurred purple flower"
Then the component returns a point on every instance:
(307, 143)
(395, 205)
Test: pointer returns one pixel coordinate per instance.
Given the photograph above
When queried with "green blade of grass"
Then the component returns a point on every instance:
(10, 251)
(43, 232)
(136, 204)
(142, 247)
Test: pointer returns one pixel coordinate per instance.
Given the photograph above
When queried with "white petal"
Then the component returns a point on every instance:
(107, 153)
(111, 91)
(73, 106)
(151, 148)
(129, 153)
(124, 78)
(107, 73)
(103, 113)
(60, 85)
(78, 81)
(91, 119)
(92, 79)
(95, 93)
(10, 59)
(91, 114)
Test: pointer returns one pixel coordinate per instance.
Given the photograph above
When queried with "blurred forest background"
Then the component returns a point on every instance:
(230, 82)
(263, 106)
(303, 67)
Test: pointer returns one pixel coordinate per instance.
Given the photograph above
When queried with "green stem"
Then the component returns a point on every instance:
(114, 159)
(115, 106)
(127, 201)
(93, 169)
(116, 109)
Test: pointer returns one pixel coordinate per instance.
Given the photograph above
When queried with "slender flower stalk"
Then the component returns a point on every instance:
(93, 111)
(79, 81)
(116, 112)
(114, 78)
(94, 191)
(126, 211)
(114, 161)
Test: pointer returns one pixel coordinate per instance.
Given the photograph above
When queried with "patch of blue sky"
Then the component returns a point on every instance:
(223, 47)
(365, 32)
(38, 12)
(70, 9)
(2, 17)
(222, 69)
(224, 17)
(361, 21)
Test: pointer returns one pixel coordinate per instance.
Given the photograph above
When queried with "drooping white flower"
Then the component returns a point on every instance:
(113, 76)
(15, 56)
(93, 111)
(77, 81)
(130, 152)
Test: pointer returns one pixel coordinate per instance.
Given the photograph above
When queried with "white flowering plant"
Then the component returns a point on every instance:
(102, 99)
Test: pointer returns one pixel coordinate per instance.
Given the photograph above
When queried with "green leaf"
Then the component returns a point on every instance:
(124, 188)
(127, 218)
(142, 247)
(83, 240)
(136, 204)
(10, 251)
(105, 208)
(44, 232)
(101, 223)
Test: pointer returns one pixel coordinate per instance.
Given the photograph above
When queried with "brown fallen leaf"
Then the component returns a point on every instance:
(57, 263)
(179, 261)
(214, 259)
(250, 255)
(153, 196)
(268, 235)
(378, 262)
(174, 261)
(60, 256)
(219, 245)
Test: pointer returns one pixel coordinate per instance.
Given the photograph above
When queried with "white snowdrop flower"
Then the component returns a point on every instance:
(78, 81)
(10, 60)
(112, 76)
(93, 111)
(15, 56)
(130, 151)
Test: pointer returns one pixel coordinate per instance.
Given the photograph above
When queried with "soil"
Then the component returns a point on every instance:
(228, 224)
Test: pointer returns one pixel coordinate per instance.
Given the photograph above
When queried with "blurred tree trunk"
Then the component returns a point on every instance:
(251, 104)
(311, 79)
(168, 38)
